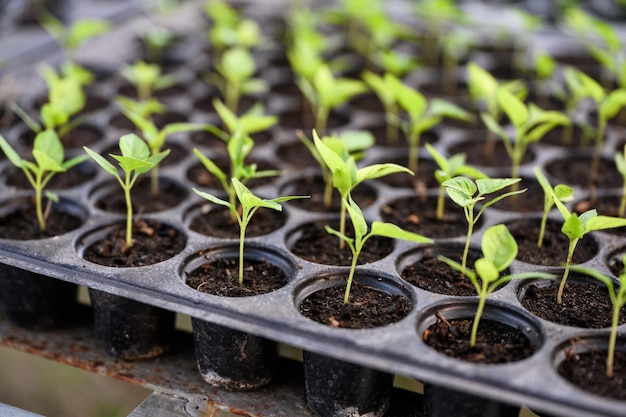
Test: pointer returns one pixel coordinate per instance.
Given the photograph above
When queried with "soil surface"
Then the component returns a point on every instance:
(419, 215)
(474, 149)
(220, 277)
(585, 305)
(313, 243)
(577, 171)
(296, 155)
(530, 201)
(558, 137)
(170, 195)
(153, 242)
(217, 221)
(76, 138)
(200, 176)
(495, 342)
(21, 223)
(588, 371)
(367, 308)
(553, 251)
(421, 181)
(607, 205)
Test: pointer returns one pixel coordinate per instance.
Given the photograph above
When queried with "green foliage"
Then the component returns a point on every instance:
(250, 203)
(229, 29)
(73, 36)
(448, 169)
(361, 235)
(48, 160)
(618, 299)
(466, 193)
(499, 251)
(620, 163)
(134, 161)
(562, 192)
(382, 86)
(146, 78)
(575, 227)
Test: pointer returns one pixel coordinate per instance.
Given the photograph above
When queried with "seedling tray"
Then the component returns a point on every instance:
(397, 348)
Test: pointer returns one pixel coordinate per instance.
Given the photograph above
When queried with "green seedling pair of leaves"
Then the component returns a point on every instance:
(499, 251)
(620, 163)
(467, 193)
(250, 203)
(146, 78)
(530, 122)
(618, 299)
(448, 169)
(229, 29)
(49, 160)
(362, 234)
(561, 192)
(134, 161)
(382, 86)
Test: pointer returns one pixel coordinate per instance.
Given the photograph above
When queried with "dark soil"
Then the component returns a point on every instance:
(421, 181)
(615, 263)
(419, 215)
(217, 221)
(555, 138)
(296, 155)
(380, 136)
(313, 186)
(153, 242)
(21, 223)
(555, 246)
(298, 119)
(121, 122)
(495, 342)
(585, 305)
(577, 171)
(474, 147)
(531, 200)
(84, 135)
(431, 274)
(368, 307)
(170, 195)
(73, 177)
(220, 277)
(367, 102)
(313, 243)
(200, 176)
(209, 140)
(588, 371)
(607, 205)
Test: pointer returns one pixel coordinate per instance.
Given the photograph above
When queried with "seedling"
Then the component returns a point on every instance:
(361, 235)
(230, 29)
(423, 115)
(346, 176)
(325, 92)
(251, 122)
(382, 87)
(530, 122)
(437, 14)
(156, 39)
(544, 67)
(499, 251)
(49, 160)
(454, 46)
(448, 169)
(620, 163)
(562, 192)
(618, 299)
(134, 161)
(575, 227)
(146, 78)
(345, 144)
(250, 203)
(466, 193)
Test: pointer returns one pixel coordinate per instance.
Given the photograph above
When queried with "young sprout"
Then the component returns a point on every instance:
(455, 44)
(620, 162)
(346, 176)
(49, 160)
(146, 78)
(544, 67)
(466, 193)
(618, 299)
(530, 123)
(229, 29)
(361, 235)
(499, 251)
(155, 40)
(575, 227)
(134, 161)
(250, 203)
(422, 116)
(251, 122)
(345, 144)
(448, 169)
(382, 87)
(562, 192)
(437, 14)
(325, 92)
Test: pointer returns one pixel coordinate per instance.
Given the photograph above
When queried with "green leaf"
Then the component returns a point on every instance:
(379, 170)
(458, 267)
(129, 163)
(462, 185)
(392, 231)
(106, 165)
(514, 108)
(85, 29)
(603, 223)
(358, 221)
(491, 185)
(340, 235)
(10, 153)
(237, 65)
(573, 228)
(486, 270)
(445, 108)
(482, 84)
(613, 103)
(493, 126)
(499, 247)
(210, 166)
(213, 199)
(132, 146)
(228, 117)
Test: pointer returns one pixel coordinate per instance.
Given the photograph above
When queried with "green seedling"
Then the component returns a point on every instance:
(156, 39)
(229, 29)
(562, 192)
(239, 146)
(544, 67)
(575, 227)
(499, 251)
(250, 203)
(234, 76)
(530, 123)
(382, 86)
(145, 109)
(251, 122)
(620, 163)
(618, 299)
(346, 144)
(48, 160)
(422, 114)
(155, 138)
(455, 44)
(346, 176)
(448, 169)
(361, 235)
(325, 92)
(572, 95)
(147, 78)
(466, 193)
(134, 161)
(437, 14)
